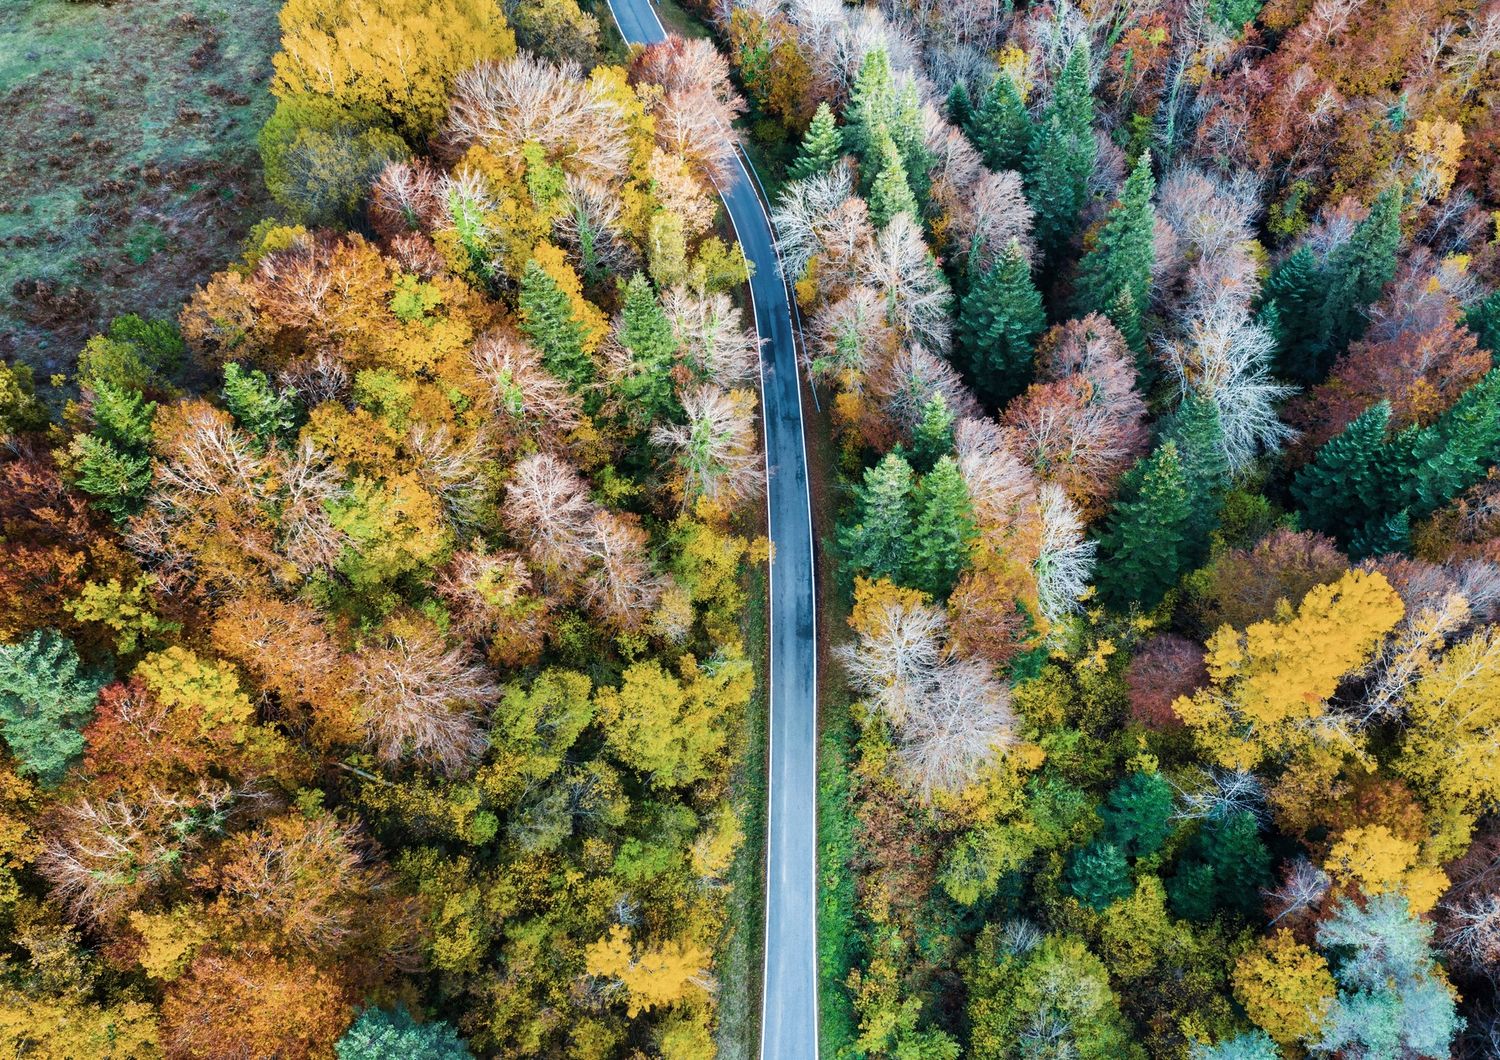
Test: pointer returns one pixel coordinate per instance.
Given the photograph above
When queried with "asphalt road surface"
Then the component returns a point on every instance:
(789, 1010)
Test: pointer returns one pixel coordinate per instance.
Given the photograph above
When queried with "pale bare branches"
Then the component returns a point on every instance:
(525, 100)
(804, 214)
(949, 714)
(592, 221)
(621, 588)
(520, 390)
(988, 214)
(718, 454)
(850, 340)
(712, 337)
(419, 700)
(406, 197)
(695, 104)
(548, 509)
(1065, 558)
(899, 265)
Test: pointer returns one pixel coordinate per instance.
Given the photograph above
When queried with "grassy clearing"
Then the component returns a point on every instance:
(128, 167)
(740, 956)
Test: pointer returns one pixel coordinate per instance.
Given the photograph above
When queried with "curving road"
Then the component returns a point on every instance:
(789, 1007)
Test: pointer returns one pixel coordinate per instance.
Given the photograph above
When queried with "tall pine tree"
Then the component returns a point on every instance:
(872, 105)
(1357, 272)
(890, 193)
(1146, 547)
(1060, 158)
(646, 332)
(959, 106)
(878, 540)
(1293, 309)
(1114, 277)
(1342, 489)
(547, 320)
(821, 147)
(944, 530)
(1001, 129)
(999, 320)
(1197, 431)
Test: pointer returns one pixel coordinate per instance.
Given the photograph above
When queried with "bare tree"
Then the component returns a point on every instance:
(907, 383)
(900, 266)
(1001, 487)
(803, 212)
(717, 450)
(526, 100)
(1065, 558)
(419, 700)
(621, 587)
(849, 341)
(548, 509)
(712, 337)
(520, 391)
(406, 197)
(454, 470)
(696, 104)
(591, 226)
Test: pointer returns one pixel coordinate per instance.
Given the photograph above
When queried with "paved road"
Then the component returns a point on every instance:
(789, 1012)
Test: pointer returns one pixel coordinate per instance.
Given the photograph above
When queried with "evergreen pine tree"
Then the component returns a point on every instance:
(1001, 129)
(1483, 319)
(999, 320)
(46, 698)
(1137, 814)
(821, 146)
(1060, 158)
(878, 542)
(1146, 547)
(547, 320)
(1098, 875)
(1114, 277)
(909, 133)
(890, 193)
(255, 405)
(381, 1035)
(647, 333)
(1340, 491)
(116, 480)
(1225, 867)
(1293, 310)
(122, 417)
(872, 105)
(944, 530)
(959, 106)
(932, 438)
(1195, 428)
(1358, 271)
(1437, 463)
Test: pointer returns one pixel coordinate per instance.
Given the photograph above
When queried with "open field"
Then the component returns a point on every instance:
(128, 166)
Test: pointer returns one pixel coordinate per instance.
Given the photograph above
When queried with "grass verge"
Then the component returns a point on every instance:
(740, 955)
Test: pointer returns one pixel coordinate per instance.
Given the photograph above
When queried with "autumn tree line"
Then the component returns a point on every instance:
(372, 669)
(1160, 342)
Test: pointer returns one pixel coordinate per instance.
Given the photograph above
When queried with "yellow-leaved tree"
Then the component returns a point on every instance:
(1269, 685)
(1448, 750)
(653, 976)
(1374, 860)
(1286, 987)
(398, 55)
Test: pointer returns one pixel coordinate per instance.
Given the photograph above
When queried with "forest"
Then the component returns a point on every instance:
(382, 633)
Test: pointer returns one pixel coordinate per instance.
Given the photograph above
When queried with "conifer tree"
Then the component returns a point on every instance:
(932, 438)
(1147, 546)
(878, 541)
(890, 193)
(1483, 319)
(46, 698)
(944, 530)
(821, 146)
(1225, 867)
(647, 333)
(1098, 875)
(1358, 271)
(1195, 428)
(959, 106)
(112, 463)
(1293, 309)
(1060, 158)
(909, 133)
(872, 105)
(1114, 277)
(255, 405)
(1341, 489)
(1137, 813)
(547, 319)
(1001, 128)
(999, 320)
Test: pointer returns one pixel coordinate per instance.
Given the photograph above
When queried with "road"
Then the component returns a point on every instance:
(789, 1009)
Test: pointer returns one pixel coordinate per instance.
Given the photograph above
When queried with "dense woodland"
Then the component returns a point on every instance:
(373, 655)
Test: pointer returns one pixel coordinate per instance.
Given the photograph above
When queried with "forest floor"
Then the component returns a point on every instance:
(128, 163)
